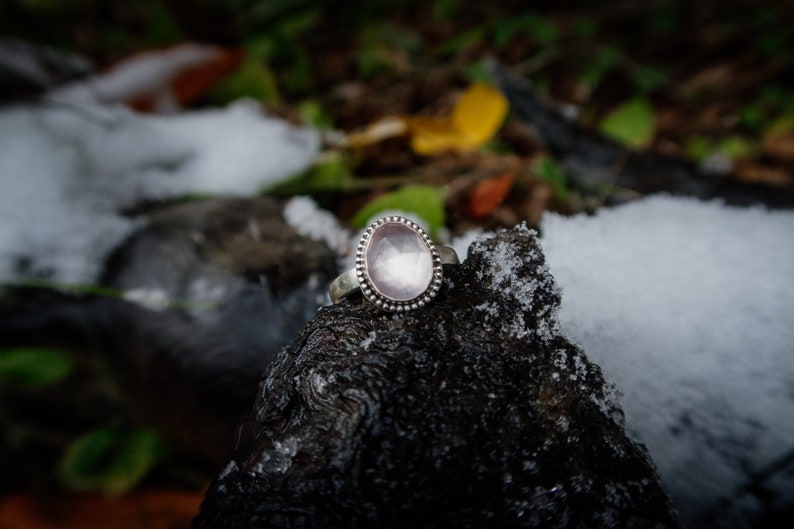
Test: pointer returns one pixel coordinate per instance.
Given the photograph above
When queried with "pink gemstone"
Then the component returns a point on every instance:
(398, 262)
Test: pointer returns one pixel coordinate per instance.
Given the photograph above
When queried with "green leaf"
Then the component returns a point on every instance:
(314, 115)
(736, 147)
(374, 60)
(426, 202)
(476, 72)
(401, 38)
(647, 79)
(664, 22)
(585, 27)
(772, 101)
(112, 460)
(253, 78)
(331, 173)
(698, 147)
(33, 368)
(504, 29)
(383, 47)
(633, 123)
(73, 288)
(544, 30)
(550, 172)
(784, 123)
(752, 116)
(298, 76)
(593, 71)
(444, 10)
(462, 40)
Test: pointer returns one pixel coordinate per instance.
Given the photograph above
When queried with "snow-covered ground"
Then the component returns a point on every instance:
(68, 170)
(688, 306)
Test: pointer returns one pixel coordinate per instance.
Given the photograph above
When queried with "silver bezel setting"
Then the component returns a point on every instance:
(368, 288)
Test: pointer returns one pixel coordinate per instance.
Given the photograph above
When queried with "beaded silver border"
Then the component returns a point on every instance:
(367, 286)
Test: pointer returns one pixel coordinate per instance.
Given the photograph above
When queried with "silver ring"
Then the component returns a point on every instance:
(398, 267)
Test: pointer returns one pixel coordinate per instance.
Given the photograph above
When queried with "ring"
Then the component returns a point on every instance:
(398, 267)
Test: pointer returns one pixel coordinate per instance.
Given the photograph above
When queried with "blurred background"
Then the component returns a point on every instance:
(401, 94)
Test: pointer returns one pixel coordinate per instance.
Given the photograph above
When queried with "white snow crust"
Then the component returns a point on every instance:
(688, 306)
(68, 171)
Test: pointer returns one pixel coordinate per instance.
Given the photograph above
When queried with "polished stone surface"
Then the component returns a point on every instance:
(399, 263)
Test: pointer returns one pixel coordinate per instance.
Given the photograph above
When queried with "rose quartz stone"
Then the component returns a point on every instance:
(399, 262)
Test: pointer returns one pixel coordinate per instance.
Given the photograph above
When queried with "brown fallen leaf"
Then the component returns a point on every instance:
(708, 78)
(146, 509)
(192, 83)
(749, 171)
(488, 194)
(157, 80)
(779, 145)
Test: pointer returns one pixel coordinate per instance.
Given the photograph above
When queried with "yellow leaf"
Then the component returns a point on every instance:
(479, 113)
(431, 135)
(476, 117)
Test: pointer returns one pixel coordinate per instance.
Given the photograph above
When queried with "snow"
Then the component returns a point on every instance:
(69, 171)
(688, 308)
(462, 242)
(308, 219)
(144, 75)
(503, 272)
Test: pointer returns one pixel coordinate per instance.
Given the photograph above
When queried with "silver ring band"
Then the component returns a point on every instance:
(398, 267)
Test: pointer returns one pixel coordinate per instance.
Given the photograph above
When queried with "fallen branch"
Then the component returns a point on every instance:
(594, 160)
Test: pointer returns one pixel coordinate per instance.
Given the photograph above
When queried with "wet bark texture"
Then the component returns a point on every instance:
(471, 412)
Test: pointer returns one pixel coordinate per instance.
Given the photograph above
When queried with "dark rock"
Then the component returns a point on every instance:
(221, 286)
(28, 70)
(470, 412)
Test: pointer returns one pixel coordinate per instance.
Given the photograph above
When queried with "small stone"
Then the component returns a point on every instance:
(399, 262)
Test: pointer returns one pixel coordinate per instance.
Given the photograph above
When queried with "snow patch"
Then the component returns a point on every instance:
(368, 340)
(308, 219)
(67, 173)
(687, 306)
(503, 275)
(145, 74)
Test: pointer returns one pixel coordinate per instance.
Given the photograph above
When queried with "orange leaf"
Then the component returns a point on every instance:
(488, 194)
(150, 509)
(159, 79)
(193, 82)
